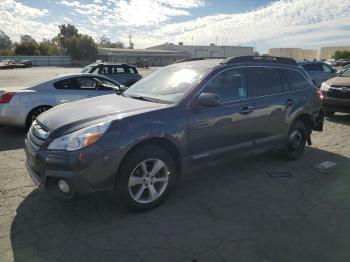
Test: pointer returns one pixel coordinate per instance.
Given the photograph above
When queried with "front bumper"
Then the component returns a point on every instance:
(86, 171)
(336, 105)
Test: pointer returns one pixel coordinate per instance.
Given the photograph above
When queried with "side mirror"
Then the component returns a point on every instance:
(334, 70)
(208, 99)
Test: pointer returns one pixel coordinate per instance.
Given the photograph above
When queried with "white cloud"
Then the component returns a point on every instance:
(302, 23)
(283, 23)
(17, 19)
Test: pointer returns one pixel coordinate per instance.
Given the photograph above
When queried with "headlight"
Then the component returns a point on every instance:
(324, 87)
(80, 138)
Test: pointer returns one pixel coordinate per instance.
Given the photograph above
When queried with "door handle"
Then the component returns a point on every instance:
(290, 102)
(246, 110)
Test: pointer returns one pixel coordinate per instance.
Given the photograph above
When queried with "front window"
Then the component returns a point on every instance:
(346, 73)
(229, 85)
(168, 84)
(86, 69)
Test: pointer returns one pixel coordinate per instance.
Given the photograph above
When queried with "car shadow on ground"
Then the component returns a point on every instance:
(340, 119)
(11, 138)
(220, 210)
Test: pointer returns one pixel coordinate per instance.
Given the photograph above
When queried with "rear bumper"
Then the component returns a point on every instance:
(12, 115)
(336, 105)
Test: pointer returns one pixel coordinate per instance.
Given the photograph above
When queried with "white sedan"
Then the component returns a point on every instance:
(20, 107)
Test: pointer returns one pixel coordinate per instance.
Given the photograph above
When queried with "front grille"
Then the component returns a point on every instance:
(36, 137)
(339, 92)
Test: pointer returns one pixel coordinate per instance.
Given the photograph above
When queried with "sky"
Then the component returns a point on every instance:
(262, 24)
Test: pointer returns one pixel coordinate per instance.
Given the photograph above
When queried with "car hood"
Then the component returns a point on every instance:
(73, 116)
(339, 81)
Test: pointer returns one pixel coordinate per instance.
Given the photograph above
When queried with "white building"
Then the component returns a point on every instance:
(308, 54)
(207, 51)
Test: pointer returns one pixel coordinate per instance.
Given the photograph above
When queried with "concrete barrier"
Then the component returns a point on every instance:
(42, 60)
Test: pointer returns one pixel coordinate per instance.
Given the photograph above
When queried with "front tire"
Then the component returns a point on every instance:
(145, 178)
(296, 141)
(34, 114)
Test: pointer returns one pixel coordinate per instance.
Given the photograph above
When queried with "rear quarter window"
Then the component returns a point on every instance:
(295, 79)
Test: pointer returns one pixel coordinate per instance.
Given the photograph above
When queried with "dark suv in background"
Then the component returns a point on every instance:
(123, 73)
(140, 143)
(319, 71)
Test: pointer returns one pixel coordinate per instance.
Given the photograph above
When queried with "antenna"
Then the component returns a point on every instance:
(131, 44)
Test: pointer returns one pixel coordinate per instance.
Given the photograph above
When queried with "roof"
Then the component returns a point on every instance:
(242, 60)
(134, 51)
(310, 62)
(109, 63)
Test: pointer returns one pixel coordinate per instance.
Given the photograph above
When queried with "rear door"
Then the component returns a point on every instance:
(226, 127)
(272, 100)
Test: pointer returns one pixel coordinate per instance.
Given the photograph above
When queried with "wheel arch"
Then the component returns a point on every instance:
(162, 142)
(305, 119)
(34, 108)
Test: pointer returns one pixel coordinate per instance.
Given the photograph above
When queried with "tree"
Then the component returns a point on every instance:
(47, 47)
(5, 41)
(66, 32)
(106, 42)
(81, 47)
(341, 54)
(27, 46)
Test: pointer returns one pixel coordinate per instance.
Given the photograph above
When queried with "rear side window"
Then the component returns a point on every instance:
(266, 81)
(86, 83)
(70, 84)
(230, 85)
(296, 80)
(313, 67)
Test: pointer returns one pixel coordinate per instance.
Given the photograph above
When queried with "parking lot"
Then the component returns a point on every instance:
(256, 208)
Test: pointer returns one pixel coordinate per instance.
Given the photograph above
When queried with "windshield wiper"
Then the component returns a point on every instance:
(138, 97)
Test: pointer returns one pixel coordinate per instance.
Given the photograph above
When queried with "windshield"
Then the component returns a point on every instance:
(346, 73)
(86, 69)
(168, 84)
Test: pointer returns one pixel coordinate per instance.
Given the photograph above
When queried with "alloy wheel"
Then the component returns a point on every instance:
(148, 181)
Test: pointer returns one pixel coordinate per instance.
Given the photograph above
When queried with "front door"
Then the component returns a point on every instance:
(226, 127)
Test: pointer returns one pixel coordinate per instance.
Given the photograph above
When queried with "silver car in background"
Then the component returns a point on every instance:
(20, 107)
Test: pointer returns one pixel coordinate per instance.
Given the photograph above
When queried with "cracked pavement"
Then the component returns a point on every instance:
(226, 210)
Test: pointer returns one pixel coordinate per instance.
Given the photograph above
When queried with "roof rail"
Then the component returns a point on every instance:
(257, 59)
(197, 59)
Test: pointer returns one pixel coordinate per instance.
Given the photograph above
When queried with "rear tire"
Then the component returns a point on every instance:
(296, 141)
(145, 178)
(329, 113)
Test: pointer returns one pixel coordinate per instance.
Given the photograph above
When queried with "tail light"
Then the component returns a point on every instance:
(319, 94)
(6, 98)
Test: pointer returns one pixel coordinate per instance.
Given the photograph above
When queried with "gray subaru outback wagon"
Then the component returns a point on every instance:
(139, 143)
